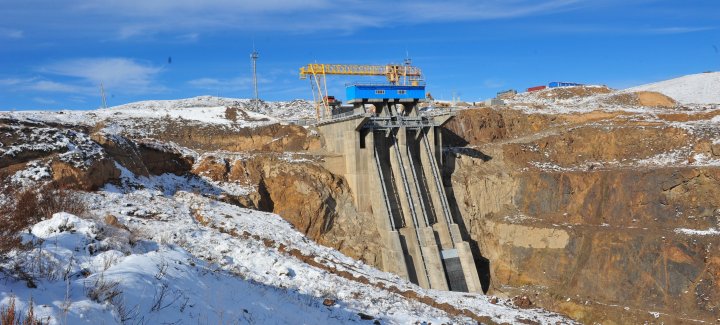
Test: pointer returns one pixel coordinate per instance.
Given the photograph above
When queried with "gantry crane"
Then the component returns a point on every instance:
(317, 72)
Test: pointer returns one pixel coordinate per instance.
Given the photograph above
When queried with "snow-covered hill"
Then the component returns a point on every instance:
(203, 109)
(168, 249)
(701, 88)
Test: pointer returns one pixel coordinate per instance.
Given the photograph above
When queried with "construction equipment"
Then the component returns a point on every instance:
(395, 73)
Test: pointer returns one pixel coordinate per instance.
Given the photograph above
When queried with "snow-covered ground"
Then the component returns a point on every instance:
(545, 101)
(701, 88)
(178, 255)
(204, 109)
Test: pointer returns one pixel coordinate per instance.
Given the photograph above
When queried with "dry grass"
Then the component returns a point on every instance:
(10, 316)
(27, 207)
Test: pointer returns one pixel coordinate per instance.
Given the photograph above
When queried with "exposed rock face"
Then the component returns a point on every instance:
(88, 178)
(314, 200)
(80, 161)
(274, 137)
(579, 213)
(643, 98)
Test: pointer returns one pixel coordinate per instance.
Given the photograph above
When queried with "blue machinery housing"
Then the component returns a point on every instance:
(556, 84)
(382, 92)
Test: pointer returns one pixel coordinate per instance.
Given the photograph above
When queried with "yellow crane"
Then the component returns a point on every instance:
(318, 72)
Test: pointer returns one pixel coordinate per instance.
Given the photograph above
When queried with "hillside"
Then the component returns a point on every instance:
(597, 204)
(701, 88)
(158, 240)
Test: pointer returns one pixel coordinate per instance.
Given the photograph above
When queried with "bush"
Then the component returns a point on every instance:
(9, 316)
(27, 207)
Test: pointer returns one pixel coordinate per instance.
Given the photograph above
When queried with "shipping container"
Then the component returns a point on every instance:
(536, 88)
(556, 84)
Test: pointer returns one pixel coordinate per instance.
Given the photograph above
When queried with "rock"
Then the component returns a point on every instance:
(89, 178)
(160, 159)
(364, 316)
(113, 221)
(329, 302)
(281, 270)
(315, 201)
(522, 302)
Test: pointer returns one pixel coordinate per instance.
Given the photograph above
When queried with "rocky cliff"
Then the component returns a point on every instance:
(317, 202)
(607, 217)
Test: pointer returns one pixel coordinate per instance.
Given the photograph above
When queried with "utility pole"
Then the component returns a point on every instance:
(254, 56)
(102, 96)
(408, 63)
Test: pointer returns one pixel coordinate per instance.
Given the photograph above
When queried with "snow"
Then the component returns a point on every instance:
(708, 232)
(701, 88)
(207, 110)
(33, 172)
(150, 283)
(186, 257)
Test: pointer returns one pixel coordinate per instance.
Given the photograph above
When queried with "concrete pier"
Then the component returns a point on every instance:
(390, 155)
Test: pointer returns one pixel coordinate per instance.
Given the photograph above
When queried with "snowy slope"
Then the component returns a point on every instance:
(181, 256)
(701, 88)
(202, 109)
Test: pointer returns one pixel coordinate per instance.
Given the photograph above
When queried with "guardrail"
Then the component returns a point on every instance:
(387, 122)
(301, 122)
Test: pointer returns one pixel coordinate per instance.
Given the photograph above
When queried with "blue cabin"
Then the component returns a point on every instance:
(556, 84)
(360, 92)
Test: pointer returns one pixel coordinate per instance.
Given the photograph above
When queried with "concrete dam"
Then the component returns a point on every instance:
(389, 153)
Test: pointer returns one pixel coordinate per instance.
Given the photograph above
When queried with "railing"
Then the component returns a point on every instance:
(440, 188)
(386, 199)
(417, 187)
(391, 122)
(408, 195)
(301, 122)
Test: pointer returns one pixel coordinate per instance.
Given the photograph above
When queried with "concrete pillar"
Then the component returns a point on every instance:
(393, 255)
(472, 279)
(433, 260)
(415, 252)
(402, 143)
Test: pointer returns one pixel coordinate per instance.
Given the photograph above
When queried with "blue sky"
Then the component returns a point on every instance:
(54, 54)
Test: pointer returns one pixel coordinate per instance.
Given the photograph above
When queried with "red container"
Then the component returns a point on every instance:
(536, 88)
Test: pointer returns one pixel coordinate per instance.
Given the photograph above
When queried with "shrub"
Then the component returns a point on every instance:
(24, 208)
(9, 316)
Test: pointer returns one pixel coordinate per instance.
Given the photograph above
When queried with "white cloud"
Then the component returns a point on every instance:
(115, 73)
(11, 81)
(45, 101)
(11, 33)
(42, 85)
(677, 30)
(53, 86)
(232, 84)
(83, 76)
(483, 10)
(142, 18)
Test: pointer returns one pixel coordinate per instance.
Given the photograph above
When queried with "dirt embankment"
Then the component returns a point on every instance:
(77, 160)
(642, 98)
(603, 244)
(317, 202)
(204, 137)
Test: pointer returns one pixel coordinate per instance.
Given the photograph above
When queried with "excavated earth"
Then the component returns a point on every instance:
(585, 213)
(588, 214)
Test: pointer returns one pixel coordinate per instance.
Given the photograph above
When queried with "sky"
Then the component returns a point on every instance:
(55, 54)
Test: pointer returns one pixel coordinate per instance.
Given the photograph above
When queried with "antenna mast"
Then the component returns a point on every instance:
(102, 95)
(254, 56)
